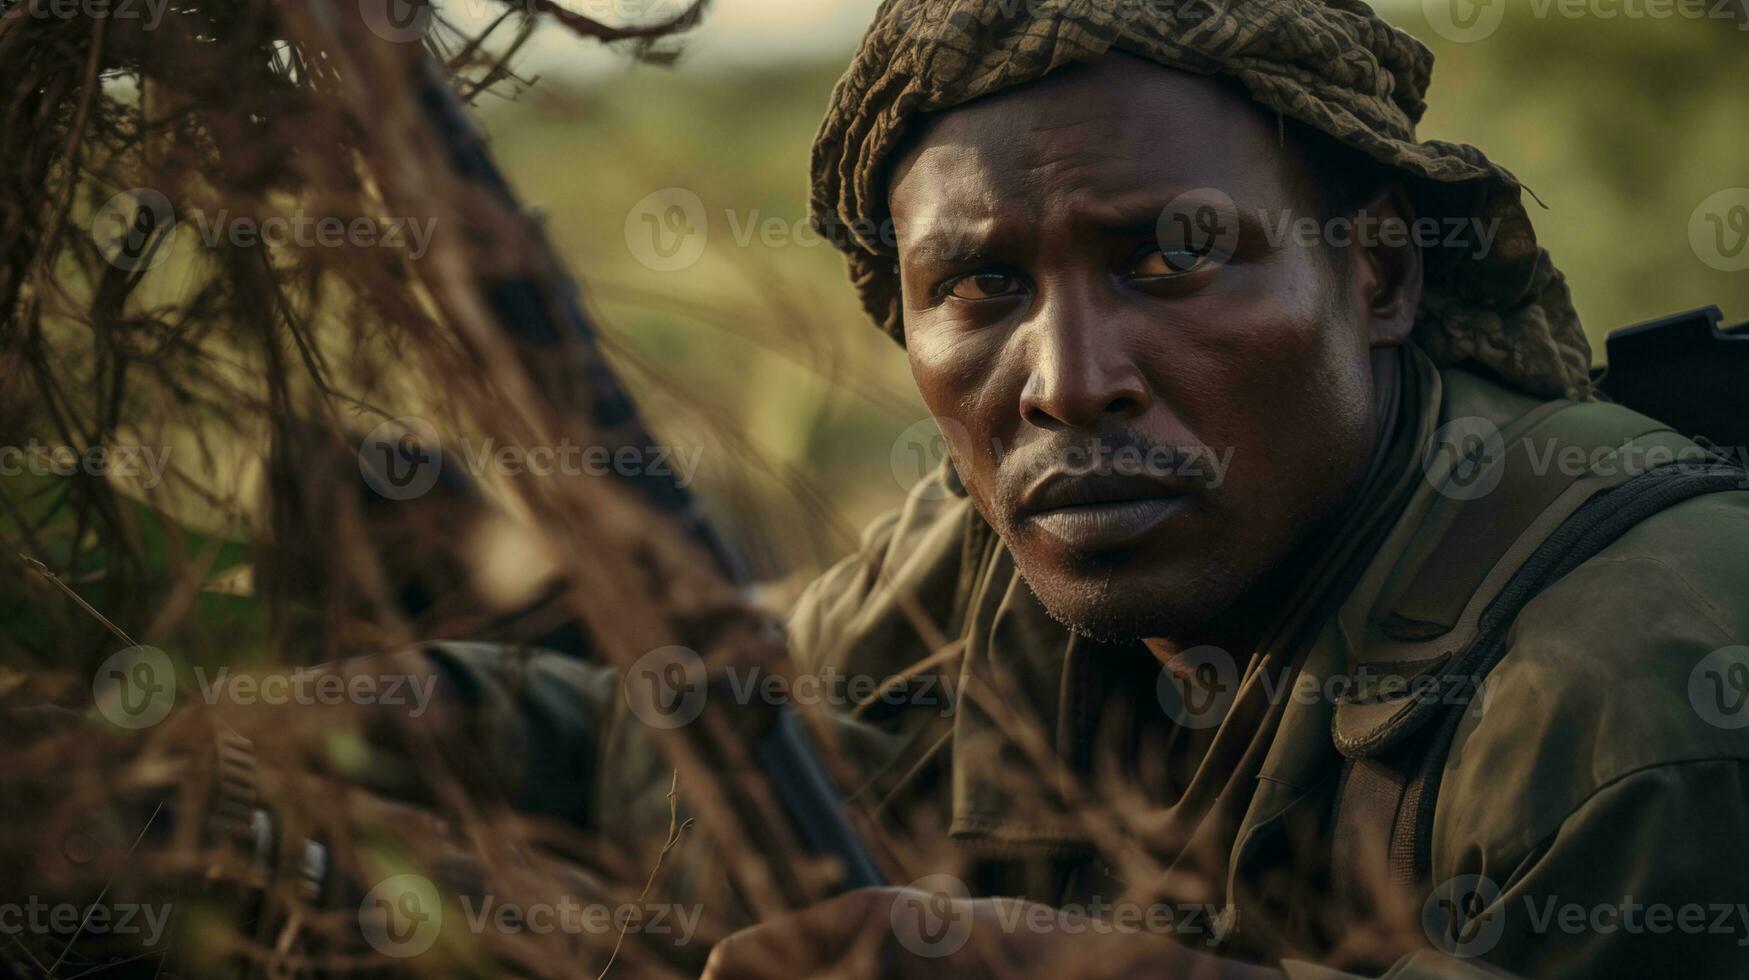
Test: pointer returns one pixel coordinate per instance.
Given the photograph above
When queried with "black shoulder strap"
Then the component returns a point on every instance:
(1389, 797)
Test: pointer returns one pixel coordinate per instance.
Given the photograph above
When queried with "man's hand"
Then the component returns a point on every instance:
(907, 932)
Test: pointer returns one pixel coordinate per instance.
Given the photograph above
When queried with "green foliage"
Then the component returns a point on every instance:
(1622, 127)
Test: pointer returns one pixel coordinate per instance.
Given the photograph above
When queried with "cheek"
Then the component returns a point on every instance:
(1263, 351)
(960, 377)
(1315, 361)
(1274, 376)
(1282, 313)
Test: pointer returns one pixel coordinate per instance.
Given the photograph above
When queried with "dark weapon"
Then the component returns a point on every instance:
(1687, 371)
(540, 314)
(532, 308)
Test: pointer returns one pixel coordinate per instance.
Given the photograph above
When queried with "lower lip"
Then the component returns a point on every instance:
(1100, 527)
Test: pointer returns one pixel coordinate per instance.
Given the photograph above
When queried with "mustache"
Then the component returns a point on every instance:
(1122, 452)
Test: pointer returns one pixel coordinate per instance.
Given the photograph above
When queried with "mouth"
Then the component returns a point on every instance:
(1100, 512)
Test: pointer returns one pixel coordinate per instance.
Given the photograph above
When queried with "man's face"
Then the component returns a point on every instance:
(1149, 429)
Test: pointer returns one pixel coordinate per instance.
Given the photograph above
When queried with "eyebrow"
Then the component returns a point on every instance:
(1139, 217)
(948, 241)
(944, 241)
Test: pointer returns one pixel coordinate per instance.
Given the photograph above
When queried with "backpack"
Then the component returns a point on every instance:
(1449, 625)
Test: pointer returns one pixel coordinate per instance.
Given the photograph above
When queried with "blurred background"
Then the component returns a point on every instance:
(1631, 129)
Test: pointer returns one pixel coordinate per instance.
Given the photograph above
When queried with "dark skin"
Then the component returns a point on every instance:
(1047, 315)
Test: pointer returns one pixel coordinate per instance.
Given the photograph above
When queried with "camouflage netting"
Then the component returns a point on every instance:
(1333, 65)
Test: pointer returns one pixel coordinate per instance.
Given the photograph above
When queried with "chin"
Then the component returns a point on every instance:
(1132, 599)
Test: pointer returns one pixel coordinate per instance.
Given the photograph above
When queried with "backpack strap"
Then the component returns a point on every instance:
(1391, 778)
(1483, 550)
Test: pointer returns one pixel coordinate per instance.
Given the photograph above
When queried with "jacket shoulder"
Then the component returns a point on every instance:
(1617, 668)
(895, 600)
(1637, 659)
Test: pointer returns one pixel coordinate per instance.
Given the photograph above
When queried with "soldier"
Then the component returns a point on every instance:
(1289, 606)
(1072, 216)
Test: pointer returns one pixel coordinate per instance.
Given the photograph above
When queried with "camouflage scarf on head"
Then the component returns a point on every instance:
(1330, 64)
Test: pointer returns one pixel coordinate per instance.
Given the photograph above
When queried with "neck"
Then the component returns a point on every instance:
(1242, 626)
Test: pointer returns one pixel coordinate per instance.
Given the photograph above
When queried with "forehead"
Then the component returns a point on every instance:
(1119, 126)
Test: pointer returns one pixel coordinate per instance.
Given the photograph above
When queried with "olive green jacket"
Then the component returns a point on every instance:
(1596, 799)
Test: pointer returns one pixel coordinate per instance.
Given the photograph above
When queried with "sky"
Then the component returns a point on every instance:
(735, 33)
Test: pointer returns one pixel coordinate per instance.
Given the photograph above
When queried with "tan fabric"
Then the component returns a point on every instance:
(1331, 64)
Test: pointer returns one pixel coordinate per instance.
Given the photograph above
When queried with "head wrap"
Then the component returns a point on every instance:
(1333, 65)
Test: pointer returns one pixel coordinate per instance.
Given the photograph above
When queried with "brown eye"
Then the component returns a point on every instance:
(1169, 263)
(983, 285)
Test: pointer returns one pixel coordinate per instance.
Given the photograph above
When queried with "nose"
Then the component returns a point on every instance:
(1082, 370)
